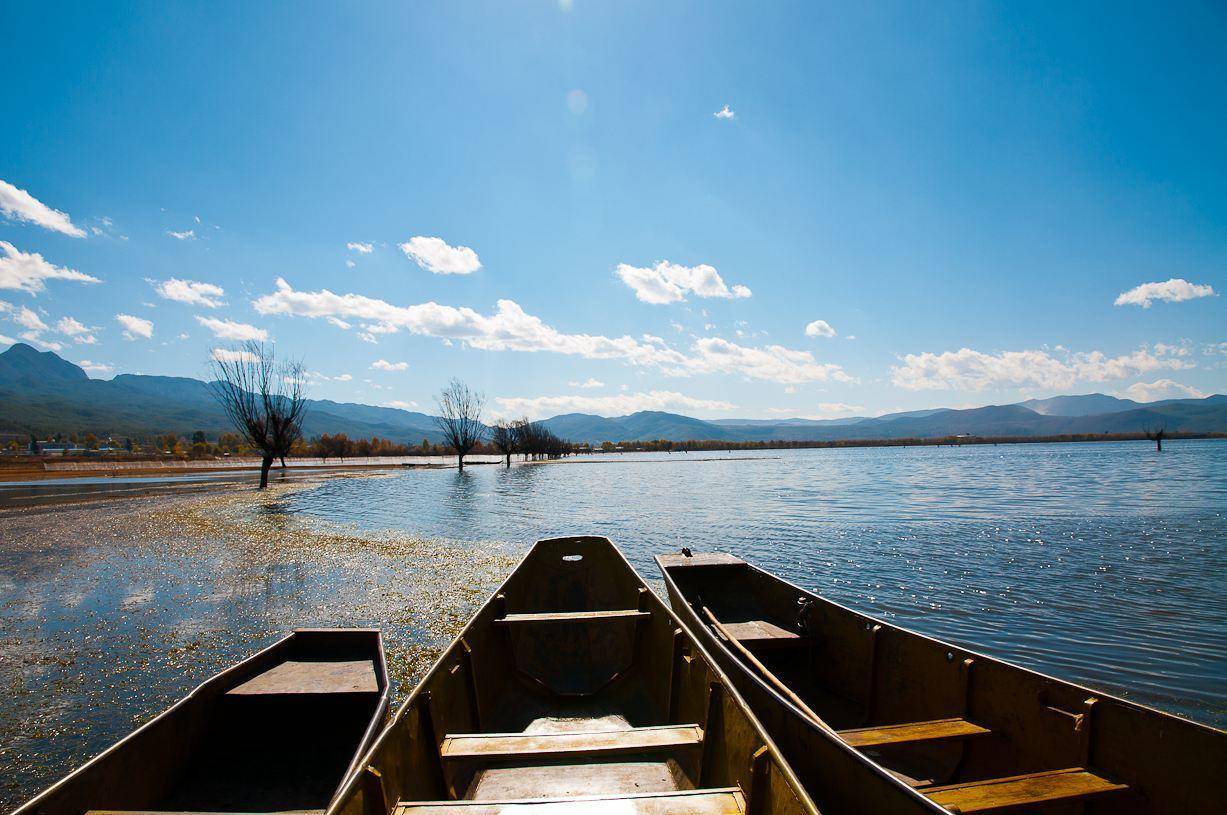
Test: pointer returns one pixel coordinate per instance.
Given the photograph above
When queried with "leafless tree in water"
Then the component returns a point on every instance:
(1156, 435)
(264, 399)
(503, 437)
(459, 418)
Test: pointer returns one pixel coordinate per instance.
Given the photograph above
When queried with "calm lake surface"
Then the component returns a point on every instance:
(1102, 563)
(1099, 563)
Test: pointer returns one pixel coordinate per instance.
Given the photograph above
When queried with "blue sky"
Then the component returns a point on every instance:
(899, 205)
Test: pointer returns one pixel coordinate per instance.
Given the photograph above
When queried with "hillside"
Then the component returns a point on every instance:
(42, 393)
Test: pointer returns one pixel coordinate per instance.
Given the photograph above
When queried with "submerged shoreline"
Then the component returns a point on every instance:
(115, 609)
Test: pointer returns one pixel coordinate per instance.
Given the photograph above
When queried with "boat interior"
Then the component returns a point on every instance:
(276, 733)
(971, 733)
(574, 689)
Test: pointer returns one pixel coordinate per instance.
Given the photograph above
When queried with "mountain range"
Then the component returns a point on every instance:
(42, 393)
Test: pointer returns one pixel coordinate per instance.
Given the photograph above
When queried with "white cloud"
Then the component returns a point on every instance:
(231, 330)
(231, 355)
(1161, 389)
(81, 334)
(510, 328)
(397, 403)
(619, 405)
(192, 292)
(819, 328)
(349, 264)
(434, 255)
(7, 340)
(725, 113)
(970, 370)
(19, 205)
(95, 367)
(28, 318)
(360, 248)
(826, 410)
(384, 365)
(33, 337)
(27, 271)
(577, 102)
(667, 282)
(135, 327)
(590, 382)
(186, 235)
(1173, 291)
(343, 377)
(339, 323)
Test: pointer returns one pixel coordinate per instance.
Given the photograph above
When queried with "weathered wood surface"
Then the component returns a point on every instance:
(572, 617)
(1032, 789)
(936, 730)
(763, 634)
(689, 802)
(700, 559)
(293, 677)
(560, 745)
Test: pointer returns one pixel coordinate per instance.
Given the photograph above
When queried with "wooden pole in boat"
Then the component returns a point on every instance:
(762, 669)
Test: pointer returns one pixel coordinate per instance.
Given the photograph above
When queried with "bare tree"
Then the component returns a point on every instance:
(459, 418)
(1156, 435)
(503, 437)
(264, 399)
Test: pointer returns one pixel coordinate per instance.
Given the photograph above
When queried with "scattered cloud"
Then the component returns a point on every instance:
(384, 365)
(186, 235)
(725, 113)
(1172, 291)
(577, 102)
(590, 382)
(398, 403)
(28, 271)
(1161, 389)
(28, 318)
(192, 292)
(510, 328)
(349, 264)
(819, 328)
(231, 330)
(95, 367)
(360, 248)
(135, 327)
(33, 337)
(81, 334)
(231, 355)
(18, 205)
(619, 405)
(826, 410)
(667, 282)
(436, 256)
(343, 377)
(970, 370)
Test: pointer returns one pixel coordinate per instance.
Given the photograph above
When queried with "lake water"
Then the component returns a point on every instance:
(1099, 563)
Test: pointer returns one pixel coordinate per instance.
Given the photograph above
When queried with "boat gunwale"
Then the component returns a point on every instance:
(32, 805)
(804, 798)
(970, 652)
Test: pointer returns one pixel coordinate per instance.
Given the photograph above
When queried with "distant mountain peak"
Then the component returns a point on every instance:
(27, 365)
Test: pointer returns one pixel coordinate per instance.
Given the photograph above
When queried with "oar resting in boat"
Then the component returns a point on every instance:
(574, 689)
(969, 732)
(277, 732)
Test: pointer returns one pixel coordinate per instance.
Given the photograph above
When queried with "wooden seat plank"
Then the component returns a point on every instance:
(723, 801)
(572, 616)
(1033, 789)
(698, 560)
(763, 634)
(551, 745)
(292, 677)
(928, 732)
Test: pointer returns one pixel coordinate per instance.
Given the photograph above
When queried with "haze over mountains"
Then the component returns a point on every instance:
(42, 393)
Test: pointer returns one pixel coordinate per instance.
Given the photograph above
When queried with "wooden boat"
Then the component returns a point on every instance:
(573, 690)
(969, 732)
(277, 732)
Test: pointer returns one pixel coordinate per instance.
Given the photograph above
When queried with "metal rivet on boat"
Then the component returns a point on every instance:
(950, 656)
